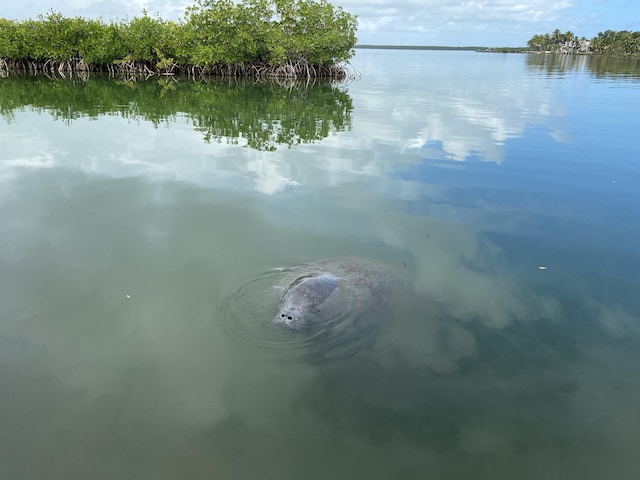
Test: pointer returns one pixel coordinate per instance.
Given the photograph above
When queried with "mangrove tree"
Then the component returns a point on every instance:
(290, 38)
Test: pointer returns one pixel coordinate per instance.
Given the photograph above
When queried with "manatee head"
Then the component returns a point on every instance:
(309, 299)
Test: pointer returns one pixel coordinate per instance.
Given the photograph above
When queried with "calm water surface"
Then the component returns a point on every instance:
(143, 225)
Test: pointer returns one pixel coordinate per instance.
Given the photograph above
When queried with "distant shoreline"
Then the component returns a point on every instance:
(416, 47)
(439, 47)
(488, 50)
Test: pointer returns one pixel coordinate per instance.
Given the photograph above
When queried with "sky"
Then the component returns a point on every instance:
(491, 23)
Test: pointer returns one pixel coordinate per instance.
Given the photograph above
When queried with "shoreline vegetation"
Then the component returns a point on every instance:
(609, 42)
(618, 43)
(260, 38)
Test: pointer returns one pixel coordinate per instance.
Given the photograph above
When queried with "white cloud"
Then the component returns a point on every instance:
(455, 23)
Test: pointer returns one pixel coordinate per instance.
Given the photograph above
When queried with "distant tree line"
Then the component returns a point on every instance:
(254, 37)
(609, 42)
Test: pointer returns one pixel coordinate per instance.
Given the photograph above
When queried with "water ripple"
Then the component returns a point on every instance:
(247, 317)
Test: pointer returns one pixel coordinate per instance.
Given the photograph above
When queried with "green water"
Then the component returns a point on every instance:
(141, 223)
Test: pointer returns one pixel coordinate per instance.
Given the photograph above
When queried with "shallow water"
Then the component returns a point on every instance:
(143, 227)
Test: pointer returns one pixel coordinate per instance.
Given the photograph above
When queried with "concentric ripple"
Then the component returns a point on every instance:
(247, 317)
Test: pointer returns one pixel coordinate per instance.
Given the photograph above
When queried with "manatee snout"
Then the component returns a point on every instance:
(291, 318)
(307, 300)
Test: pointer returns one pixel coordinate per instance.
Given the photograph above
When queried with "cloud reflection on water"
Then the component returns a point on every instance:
(450, 120)
(486, 373)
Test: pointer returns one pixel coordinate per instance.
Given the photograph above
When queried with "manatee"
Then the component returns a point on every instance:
(343, 294)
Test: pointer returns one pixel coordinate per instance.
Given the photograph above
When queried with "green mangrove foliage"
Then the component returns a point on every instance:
(254, 37)
(261, 115)
(608, 42)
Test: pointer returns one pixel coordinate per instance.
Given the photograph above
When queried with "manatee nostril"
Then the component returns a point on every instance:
(282, 315)
(290, 317)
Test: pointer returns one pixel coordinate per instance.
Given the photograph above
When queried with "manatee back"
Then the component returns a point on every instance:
(370, 281)
(311, 290)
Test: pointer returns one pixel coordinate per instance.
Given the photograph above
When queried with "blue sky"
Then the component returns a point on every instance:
(406, 22)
